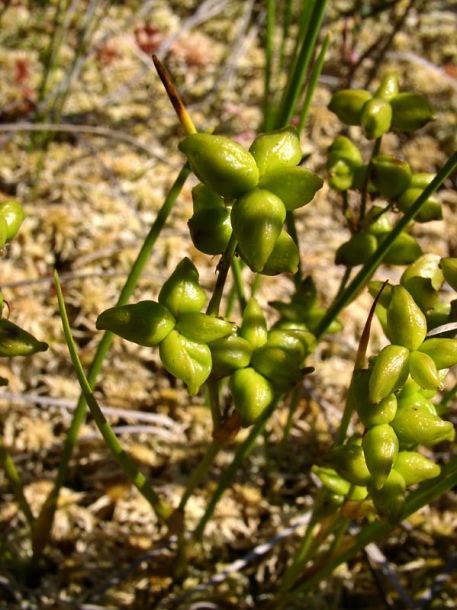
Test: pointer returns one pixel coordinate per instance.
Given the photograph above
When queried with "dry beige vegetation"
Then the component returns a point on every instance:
(90, 198)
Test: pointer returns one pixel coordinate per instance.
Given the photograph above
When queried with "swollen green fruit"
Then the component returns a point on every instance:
(416, 425)
(430, 210)
(254, 325)
(388, 87)
(389, 501)
(389, 373)
(210, 230)
(348, 105)
(410, 112)
(295, 186)
(285, 257)
(380, 447)
(182, 293)
(404, 250)
(13, 213)
(145, 323)
(276, 150)
(349, 462)
(415, 467)
(357, 251)
(229, 354)
(257, 220)
(449, 267)
(390, 175)
(220, 163)
(376, 118)
(406, 324)
(15, 341)
(252, 393)
(203, 328)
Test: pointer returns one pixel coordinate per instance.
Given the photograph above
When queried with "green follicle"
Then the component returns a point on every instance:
(276, 150)
(348, 105)
(376, 118)
(182, 292)
(15, 341)
(406, 323)
(390, 175)
(252, 393)
(380, 447)
(390, 371)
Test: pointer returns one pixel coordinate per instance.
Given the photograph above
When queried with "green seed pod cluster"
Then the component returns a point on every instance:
(175, 324)
(249, 192)
(261, 363)
(388, 109)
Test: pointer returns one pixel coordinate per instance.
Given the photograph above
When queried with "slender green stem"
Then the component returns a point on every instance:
(293, 404)
(241, 454)
(161, 509)
(292, 230)
(313, 80)
(212, 385)
(238, 282)
(363, 203)
(201, 471)
(268, 103)
(375, 260)
(16, 483)
(47, 512)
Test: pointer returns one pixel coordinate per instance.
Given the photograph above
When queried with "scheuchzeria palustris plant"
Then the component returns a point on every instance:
(239, 210)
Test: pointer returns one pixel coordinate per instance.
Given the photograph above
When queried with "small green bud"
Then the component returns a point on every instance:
(357, 251)
(348, 105)
(430, 210)
(13, 213)
(15, 341)
(370, 414)
(257, 220)
(220, 163)
(229, 354)
(389, 373)
(343, 159)
(349, 462)
(376, 118)
(389, 501)
(390, 175)
(388, 87)
(424, 372)
(415, 425)
(443, 351)
(415, 398)
(145, 323)
(252, 393)
(285, 257)
(439, 315)
(295, 186)
(297, 342)
(185, 359)
(404, 250)
(204, 198)
(182, 293)
(210, 230)
(410, 112)
(415, 467)
(276, 150)
(380, 447)
(254, 325)
(406, 324)
(449, 267)
(203, 328)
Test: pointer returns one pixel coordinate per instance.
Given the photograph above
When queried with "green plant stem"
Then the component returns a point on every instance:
(241, 454)
(161, 509)
(47, 512)
(268, 104)
(292, 230)
(200, 472)
(15, 481)
(311, 29)
(212, 385)
(223, 269)
(313, 80)
(373, 263)
(238, 282)
(293, 405)
(363, 203)
(425, 494)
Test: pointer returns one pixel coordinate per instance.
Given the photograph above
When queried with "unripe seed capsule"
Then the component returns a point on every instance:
(331, 480)
(380, 447)
(3, 231)
(229, 354)
(376, 118)
(284, 258)
(252, 393)
(276, 150)
(390, 175)
(295, 186)
(182, 293)
(204, 198)
(377, 222)
(348, 104)
(424, 372)
(389, 373)
(388, 87)
(415, 467)
(349, 462)
(415, 425)
(449, 267)
(423, 279)
(203, 328)
(406, 324)
(185, 359)
(145, 323)
(278, 366)
(254, 325)
(357, 251)
(404, 250)
(13, 213)
(15, 341)
(257, 220)
(220, 163)
(410, 112)
(430, 210)
(443, 351)
(389, 501)
(210, 230)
